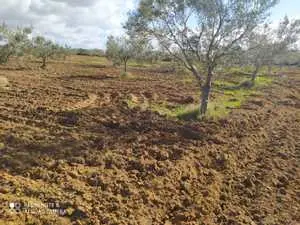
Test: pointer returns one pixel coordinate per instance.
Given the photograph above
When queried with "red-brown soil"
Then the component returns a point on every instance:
(67, 135)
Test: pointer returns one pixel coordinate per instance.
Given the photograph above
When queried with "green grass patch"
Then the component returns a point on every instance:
(263, 81)
(233, 96)
(182, 112)
(222, 105)
(131, 104)
(228, 96)
(190, 112)
(220, 84)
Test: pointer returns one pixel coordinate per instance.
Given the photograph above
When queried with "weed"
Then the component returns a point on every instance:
(263, 81)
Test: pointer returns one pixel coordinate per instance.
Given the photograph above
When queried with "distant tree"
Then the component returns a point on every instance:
(45, 49)
(145, 52)
(112, 50)
(120, 49)
(267, 44)
(97, 52)
(16, 42)
(289, 58)
(65, 51)
(199, 33)
(90, 52)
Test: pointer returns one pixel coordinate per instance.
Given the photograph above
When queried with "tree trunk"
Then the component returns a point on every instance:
(7, 56)
(125, 65)
(269, 69)
(197, 75)
(205, 93)
(44, 63)
(254, 74)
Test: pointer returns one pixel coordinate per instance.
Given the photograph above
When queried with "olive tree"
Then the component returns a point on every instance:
(145, 52)
(121, 49)
(289, 58)
(266, 44)
(45, 49)
(17, 42)
(199, 33)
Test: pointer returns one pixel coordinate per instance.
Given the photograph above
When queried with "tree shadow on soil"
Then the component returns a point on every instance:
(88, 77)
(21, 68)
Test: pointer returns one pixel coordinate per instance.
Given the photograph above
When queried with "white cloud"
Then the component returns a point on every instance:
(79, 23)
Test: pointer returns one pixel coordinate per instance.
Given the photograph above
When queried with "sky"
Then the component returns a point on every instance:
(87, 23)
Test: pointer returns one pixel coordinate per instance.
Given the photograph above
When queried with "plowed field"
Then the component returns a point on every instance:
(67, 135)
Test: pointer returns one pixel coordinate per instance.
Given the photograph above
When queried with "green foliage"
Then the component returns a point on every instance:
(265, 45)
(190, 112)
(199, 33)
(187, 29)
(89, 52)
(45, 49)
(262, 81)
(119, 50)
(17, 42)
(288, 58)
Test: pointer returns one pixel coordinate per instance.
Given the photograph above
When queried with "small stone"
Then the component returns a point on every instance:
(283, 155)
(282, 191)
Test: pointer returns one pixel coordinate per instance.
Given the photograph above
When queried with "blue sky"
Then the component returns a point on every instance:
(291, 8)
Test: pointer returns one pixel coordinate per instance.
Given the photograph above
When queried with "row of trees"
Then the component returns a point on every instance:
(267, 45)
(18, 42)
(201, 34)
(88, 52)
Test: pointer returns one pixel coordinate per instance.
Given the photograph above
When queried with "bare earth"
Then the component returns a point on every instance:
(67, 135)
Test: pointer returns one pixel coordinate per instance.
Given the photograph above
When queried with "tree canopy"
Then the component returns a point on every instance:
(121, 49)
(199, 32)
(17, 42)
(45, 49)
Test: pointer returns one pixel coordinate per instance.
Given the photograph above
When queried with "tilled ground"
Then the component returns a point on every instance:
(70, 137)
